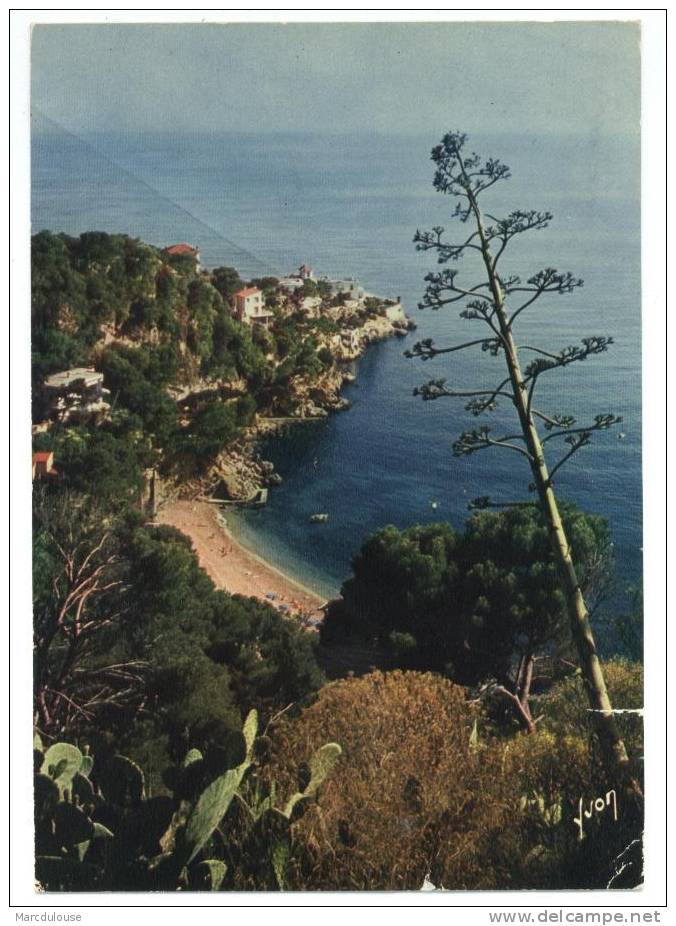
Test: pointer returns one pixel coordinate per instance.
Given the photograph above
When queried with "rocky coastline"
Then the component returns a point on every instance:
(239, 472)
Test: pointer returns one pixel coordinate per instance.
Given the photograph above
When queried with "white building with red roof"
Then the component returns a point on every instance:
(249, 307)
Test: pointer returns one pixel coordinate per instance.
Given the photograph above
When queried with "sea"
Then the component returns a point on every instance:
(349, 206)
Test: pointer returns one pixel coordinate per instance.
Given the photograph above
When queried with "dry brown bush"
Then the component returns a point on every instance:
(412, 794)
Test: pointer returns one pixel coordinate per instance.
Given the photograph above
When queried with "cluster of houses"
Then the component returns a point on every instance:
(78, 393)
(347, 286)
(250, 309)
(249, 302)
(73, 395)
(249, 305)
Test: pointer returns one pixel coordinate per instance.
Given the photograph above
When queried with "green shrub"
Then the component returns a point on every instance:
(161, 651)
(474, 605)
(325, 356)
(565, 707)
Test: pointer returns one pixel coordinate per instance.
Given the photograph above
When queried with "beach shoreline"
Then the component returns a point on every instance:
(235, 568)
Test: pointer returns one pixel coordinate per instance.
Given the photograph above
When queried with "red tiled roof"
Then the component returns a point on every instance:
(42, 457)
(248, 291)
(180, 249)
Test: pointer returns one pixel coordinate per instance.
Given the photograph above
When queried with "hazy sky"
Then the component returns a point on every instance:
(411, 78)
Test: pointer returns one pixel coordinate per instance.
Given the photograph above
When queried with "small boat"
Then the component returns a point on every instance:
(319, 518)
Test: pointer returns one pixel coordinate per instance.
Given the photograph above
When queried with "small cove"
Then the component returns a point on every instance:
(350, 206)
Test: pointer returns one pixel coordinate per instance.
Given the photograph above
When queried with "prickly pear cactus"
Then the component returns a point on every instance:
(122, 781)
(267, 847)
(96, 829)
(67, 838)
(61, 763)
(207, 875)
(216, 798)
(320, 766)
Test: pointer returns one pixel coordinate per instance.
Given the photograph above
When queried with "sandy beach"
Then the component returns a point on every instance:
(233, 567)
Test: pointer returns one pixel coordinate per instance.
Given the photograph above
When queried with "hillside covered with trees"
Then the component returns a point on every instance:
(184, 376)
(187, 738)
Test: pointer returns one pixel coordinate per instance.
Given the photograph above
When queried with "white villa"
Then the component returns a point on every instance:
(291, 283)
(87, 377)
(249, 307)
(349, 286)
(77, 392)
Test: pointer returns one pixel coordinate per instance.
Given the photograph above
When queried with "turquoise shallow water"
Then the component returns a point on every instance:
(350, 206)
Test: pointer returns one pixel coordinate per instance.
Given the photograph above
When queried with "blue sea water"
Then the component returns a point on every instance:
(350, 206)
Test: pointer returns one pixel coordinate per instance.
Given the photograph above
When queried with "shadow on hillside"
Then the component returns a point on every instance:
(339, 660)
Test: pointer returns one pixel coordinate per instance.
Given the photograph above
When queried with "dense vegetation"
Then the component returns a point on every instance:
(135, 648)
(429, 785)
(152, 322)
(480, 606)
(84, 288)
(463, 763)
(97, 829)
